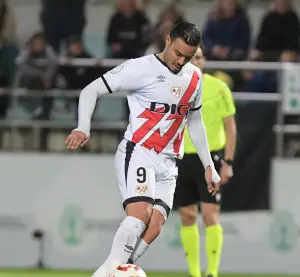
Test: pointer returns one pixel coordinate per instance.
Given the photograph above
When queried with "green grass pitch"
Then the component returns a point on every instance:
(53, 273)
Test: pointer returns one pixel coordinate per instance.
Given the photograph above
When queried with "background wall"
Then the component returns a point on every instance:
(75, 201)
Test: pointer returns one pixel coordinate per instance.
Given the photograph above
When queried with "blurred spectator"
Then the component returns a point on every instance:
(37, 69)
(77, 77)
(171, 13)
(226, 34)
(128, 31)
(8, 54)
(278, 38)
(62, 19)
(260, 81)
(140, 5)
(7, 22)
(167, 19)
(160, 35)
(37, 64)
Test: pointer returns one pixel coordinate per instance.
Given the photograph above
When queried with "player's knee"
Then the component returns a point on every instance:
(210, 213)
(140, 210)
(189, 215)
(155, 225)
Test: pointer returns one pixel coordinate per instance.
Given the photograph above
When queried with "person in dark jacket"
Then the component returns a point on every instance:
(77, 77)
(226, 34)
(62, 19)
(278, 38)
(260, 82)
(128, 31)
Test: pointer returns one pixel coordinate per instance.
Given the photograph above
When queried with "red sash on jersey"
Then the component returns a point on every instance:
(156, 141)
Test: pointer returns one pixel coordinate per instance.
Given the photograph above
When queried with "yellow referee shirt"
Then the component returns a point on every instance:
(217, 103)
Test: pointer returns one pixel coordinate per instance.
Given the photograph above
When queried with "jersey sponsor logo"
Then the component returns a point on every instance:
(174, 109)
(156, 141)
(161, 78)
(177, 91)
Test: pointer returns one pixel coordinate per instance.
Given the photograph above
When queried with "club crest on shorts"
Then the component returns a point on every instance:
(141, 188)
(176, 91)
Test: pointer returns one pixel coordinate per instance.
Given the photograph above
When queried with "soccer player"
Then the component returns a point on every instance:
(164, 94)
(218, 115)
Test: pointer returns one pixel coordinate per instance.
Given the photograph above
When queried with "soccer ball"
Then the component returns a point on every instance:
(128, 270)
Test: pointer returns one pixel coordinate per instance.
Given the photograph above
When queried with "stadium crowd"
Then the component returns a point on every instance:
(227, 36)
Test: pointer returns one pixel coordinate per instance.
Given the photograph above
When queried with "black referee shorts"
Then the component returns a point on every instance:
(191, 185)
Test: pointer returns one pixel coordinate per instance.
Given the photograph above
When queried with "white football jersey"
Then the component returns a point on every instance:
(159, 101)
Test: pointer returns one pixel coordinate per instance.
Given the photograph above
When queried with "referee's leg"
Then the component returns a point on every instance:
(214, 237)
(210, 210)
(187, 199)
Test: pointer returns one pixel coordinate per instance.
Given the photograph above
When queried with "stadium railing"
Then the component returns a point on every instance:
(280, 128)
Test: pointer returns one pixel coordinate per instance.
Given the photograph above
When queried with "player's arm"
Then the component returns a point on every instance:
(198, 136)
(119, 79)
(87, 102)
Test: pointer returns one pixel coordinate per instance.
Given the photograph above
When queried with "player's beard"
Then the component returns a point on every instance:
(172, 67)
(177, 68)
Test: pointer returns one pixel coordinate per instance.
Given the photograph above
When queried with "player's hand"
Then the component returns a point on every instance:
(213, 180)
(76, 139)
(226, 172)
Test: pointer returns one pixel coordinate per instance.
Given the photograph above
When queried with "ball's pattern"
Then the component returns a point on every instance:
(128, 270)
(127, 266)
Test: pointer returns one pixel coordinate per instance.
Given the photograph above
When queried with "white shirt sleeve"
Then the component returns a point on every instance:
(198, 136)
(122, 78)
(197, 103)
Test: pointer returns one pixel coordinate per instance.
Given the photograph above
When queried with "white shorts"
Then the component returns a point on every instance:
(145, 176)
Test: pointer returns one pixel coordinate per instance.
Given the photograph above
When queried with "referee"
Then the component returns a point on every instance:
(218, 114)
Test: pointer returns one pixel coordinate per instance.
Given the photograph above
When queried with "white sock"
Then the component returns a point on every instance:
(139, 250)
(125, 239)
